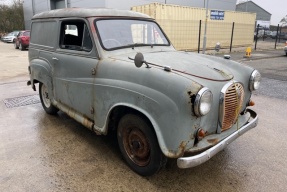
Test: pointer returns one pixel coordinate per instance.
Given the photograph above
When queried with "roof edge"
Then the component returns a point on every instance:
(88, 12)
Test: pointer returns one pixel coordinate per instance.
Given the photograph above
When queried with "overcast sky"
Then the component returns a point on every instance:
(278, 9)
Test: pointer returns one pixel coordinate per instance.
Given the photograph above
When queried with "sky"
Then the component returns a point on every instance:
(278, 9)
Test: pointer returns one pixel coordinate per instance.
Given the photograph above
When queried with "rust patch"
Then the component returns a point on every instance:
(190, 94)
(182, 146)
(91, 21)
(87, 123)
(212, 141)
(179, 152)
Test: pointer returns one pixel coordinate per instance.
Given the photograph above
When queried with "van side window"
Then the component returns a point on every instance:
(75, 35)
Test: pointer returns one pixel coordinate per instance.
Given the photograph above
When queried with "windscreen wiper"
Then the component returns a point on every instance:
(138, 45)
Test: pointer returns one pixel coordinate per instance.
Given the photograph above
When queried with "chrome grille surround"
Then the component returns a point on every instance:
(230, 104)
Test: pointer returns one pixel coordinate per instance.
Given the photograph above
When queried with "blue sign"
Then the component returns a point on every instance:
(216, 15)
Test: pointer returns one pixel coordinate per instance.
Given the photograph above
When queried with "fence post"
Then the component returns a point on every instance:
(256, 36)
(263, 38)
(199, 36)
(280, 33)
(231, 41)
(276, 36)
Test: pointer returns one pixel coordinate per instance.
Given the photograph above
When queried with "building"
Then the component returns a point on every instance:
(263, 17)
(32, 7)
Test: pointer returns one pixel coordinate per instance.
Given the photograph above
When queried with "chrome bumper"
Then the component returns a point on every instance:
(187, 162)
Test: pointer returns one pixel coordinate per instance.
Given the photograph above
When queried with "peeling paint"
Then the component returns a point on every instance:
(179, 152)
(213, 141)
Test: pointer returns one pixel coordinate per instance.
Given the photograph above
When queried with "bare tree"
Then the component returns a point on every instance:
(284, 20)
(11, 16)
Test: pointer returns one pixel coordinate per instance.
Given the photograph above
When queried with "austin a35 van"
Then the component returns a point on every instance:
(115, 70)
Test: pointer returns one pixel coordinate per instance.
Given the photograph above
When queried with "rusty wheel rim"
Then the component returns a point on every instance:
(136, 146)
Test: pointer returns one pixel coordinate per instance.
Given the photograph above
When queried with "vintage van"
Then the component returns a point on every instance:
(118, 71)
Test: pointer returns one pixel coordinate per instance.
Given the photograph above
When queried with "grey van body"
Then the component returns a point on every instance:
(98, 83)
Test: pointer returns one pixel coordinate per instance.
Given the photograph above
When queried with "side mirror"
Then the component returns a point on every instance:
(139, 60)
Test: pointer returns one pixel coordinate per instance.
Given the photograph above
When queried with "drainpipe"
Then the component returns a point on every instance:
(33, 7)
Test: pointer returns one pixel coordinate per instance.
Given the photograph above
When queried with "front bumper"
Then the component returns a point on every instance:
(187, 162)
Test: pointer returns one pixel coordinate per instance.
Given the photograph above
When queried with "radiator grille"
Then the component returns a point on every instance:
(233, 99)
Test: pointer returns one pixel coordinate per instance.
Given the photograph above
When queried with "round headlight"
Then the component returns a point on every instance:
(254, 80)
(203, 102)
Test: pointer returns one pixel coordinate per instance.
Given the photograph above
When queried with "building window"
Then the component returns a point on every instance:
(57, 4)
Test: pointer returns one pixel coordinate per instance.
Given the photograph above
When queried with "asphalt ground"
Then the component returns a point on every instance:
(39, 152)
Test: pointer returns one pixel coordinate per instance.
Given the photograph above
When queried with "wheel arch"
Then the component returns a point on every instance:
(119, 110)
(41, 72)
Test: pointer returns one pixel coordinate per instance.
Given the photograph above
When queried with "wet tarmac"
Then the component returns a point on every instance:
(39, 152)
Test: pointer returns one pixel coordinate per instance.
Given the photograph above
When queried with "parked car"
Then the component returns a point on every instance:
(10, 37)
(280, 35)
(273, 34)
(260, 34)
(268, 33)
(120, 73)
(22, 41)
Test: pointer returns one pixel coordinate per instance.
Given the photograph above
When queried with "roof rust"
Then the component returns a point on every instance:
(84, 12)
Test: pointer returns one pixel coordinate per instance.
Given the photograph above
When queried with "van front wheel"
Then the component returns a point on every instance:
(139, 146)
(46, 101)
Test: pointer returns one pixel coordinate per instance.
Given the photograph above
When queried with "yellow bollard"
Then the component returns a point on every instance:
(248, 52)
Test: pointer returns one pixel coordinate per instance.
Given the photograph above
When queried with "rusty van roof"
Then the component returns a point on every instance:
(84, 12)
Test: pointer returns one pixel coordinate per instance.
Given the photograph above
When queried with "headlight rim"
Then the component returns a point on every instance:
(252, 80)
(197, 101)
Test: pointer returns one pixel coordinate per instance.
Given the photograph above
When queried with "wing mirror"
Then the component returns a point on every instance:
(139, 60)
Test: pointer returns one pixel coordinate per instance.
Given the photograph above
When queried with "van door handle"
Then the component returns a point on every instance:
(56, 59)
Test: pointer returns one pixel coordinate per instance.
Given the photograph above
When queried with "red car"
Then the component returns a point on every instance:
(22, 40)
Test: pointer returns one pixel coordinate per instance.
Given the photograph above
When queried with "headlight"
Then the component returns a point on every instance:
(203, 102)
(254, 81)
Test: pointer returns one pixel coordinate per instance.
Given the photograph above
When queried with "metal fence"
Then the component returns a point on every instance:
(276, 35)
(189, 35)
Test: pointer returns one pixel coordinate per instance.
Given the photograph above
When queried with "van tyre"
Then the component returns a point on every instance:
(46, 101)
(139, 146)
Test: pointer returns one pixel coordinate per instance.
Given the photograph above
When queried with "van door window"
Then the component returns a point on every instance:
(75, 35)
